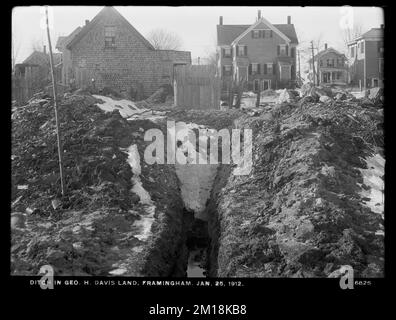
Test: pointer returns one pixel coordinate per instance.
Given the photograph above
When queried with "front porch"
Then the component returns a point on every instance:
(333, 76)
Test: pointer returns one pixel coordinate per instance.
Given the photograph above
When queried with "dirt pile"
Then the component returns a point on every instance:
(303, 211)
(93, 228)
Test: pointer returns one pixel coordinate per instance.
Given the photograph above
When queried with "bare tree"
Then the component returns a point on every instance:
(164, 40)
(15, 46)
(349, 34)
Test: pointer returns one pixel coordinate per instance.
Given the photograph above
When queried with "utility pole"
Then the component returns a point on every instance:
(313, 64)
(60, 148)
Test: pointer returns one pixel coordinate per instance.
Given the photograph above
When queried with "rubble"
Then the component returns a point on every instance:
(308, 206)
(325, 99)
(75, 233)
(376, 95)
(311, 204)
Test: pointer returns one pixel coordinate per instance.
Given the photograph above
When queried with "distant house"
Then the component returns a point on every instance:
(109, 52)
(33, 74)
(366, 59)
(39, 61)
(330, 67)
(262, 54)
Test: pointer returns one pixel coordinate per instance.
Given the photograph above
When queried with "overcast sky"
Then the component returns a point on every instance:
(195, 25)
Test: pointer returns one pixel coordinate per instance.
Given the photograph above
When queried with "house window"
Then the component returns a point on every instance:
(283, 49)
(321, 63)
(362, 47)
(255, 68)
(227, 69)
(381, 65)
(269, 68)
(227, 52)
(352, 51)
(242, 50)
(110, 36)
(256, 34)
(285, 72)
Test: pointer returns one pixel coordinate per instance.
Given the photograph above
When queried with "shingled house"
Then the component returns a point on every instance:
(109, 52)
(263, 54)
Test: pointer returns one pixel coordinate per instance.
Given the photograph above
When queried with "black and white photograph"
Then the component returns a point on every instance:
(194, 143)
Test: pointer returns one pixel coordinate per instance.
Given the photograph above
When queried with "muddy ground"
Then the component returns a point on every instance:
(301, 212)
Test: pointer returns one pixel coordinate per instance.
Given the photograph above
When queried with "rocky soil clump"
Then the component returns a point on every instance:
(300, 212)
(94, 228)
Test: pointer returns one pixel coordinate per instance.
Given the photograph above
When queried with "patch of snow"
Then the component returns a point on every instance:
(372, 177)
(146, 220)
(358, 94)
(126, 107)
(118, 272)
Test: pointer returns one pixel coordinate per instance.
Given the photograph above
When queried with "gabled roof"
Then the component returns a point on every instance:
(37, 58)
(64, 41)
(372, 34)
(106, 10)
(288, 30)
(42, 59)
(325, 51)
(226, 34)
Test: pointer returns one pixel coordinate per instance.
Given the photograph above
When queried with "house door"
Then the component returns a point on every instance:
(375, 82)
(265, 84)
(256, 84)
(325, 77)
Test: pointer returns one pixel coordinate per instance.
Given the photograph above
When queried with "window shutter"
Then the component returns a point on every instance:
(223, 70)
(250, 69)
(278, 46)
(264, 33)
(222, 52)
(258, 68)
(231, 51)
(245, 50)
(237, 51)
(274, 68)
(287, 50)
(270, 33)
(252, 32)
(265, 68)
(293, 52)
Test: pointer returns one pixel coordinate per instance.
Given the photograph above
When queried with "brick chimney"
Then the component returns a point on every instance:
(45, 49)
(288, 19)
(258, 14)
(86, 22)
(221, 20)
(325, 46)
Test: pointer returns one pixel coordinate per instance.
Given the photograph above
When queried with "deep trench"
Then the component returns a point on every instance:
(197, 254)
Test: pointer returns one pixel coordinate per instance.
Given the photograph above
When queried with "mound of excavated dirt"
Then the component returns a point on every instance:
(311, 204)
(96, 228)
